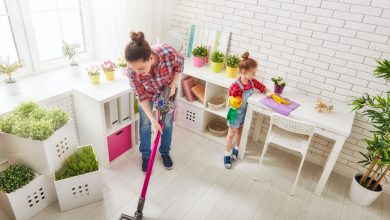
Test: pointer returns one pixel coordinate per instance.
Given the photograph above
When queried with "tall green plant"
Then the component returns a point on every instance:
(377, 109)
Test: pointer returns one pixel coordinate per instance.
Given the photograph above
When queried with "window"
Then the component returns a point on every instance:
(7, 42)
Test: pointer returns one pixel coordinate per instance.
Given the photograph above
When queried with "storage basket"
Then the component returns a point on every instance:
(217, 127)
(216, 103)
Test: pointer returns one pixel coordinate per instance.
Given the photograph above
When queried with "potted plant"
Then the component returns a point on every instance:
(366, 187)
(232, 62)
(78, 181)
(40, 137)
(199, 53)
(122, 64)
(23, 194)
(279, 84)
(109, 69)
(8, 68)
(94, 74)
(69, 50)
(217, 61)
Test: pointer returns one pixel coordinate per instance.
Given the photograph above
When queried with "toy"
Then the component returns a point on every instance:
(280, 100)
(322, 106)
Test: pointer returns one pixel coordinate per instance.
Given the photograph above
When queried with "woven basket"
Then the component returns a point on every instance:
(216, 103)
(217, 128)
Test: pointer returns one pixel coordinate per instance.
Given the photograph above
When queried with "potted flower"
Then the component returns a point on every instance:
(217, 61)
(69, 50)
(279, 84)
(94, 74)
(23, 194)
(366, 187)
(122, 64)
(199, 53)
(8, 68)
(78, 181)
(232, 62)
(40, 137)
(109, 69)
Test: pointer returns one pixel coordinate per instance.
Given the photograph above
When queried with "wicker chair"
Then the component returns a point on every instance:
(291, 134)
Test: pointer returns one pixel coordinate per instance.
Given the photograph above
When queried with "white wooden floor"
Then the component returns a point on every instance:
(199, 187)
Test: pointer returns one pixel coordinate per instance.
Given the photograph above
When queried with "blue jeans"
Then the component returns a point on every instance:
(146, 133)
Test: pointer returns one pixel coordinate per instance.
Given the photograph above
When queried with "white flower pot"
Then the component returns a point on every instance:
(11, 88)
(29, 200)
(360, 195)
(79, 190)
(43, 156)
(75, 69)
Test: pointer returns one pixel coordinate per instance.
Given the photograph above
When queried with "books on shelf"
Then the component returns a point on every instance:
(187, 84)
(199, 91)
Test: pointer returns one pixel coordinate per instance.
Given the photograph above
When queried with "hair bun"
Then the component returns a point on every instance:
(139, 37)
(245, 56)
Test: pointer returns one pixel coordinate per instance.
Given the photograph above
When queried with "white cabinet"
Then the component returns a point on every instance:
(196, 115)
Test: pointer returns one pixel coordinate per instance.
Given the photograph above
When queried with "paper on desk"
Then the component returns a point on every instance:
(279, 108)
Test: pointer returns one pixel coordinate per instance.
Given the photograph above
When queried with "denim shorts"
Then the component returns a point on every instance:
(239, 121)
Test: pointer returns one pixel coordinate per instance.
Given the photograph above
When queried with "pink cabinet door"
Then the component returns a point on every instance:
(119, 142)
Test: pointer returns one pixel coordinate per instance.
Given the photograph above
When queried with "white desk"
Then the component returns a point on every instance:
(335, 125)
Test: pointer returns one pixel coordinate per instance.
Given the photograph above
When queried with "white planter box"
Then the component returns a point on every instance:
(79, 190)
(30, 199)
(43, 156)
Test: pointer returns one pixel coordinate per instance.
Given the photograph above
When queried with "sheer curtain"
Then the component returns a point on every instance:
(113, 20)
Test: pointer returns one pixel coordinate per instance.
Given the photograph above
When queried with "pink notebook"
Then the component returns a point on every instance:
(187, 83)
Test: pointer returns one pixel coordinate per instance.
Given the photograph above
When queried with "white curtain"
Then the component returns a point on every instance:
(113, 20)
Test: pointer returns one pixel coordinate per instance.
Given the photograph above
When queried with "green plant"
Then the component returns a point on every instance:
(8, 68)
(69, 50)
(93, 70)
(200, 51)
(15, 176)
(278, 80)
(217, 57)
(121, 62)
(232, 61)
(81, 162)
(377, 109)
(31, 121)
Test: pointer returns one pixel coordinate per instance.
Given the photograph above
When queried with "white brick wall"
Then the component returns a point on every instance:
(325, 48)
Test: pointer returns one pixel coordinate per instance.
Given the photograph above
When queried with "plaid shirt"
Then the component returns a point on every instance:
(235, 89)
(149, 86)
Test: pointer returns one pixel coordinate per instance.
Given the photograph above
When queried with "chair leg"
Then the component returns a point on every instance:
(264, 151)
(297, 177)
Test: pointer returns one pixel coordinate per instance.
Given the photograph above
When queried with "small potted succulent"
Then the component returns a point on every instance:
(279, 84)
(109, 69)
(94, 74)
(232, 62)
(69, 50)
(8, 68)
(200, 53)
(217, 61)
(122, 64)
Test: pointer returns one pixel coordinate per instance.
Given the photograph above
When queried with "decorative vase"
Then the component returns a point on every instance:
(231, 72)
(11, 87)
(75, 69)
(278, 89)
(95, 79)
(109, 75)
(198, 61)
(361, 195)
(216, 67)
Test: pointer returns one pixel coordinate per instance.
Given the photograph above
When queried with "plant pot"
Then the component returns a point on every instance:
(123, 71)
(278, 89)
(79, 190)
(361, 195)
(198, 61)
(95, 79)
(75, 69)
(11, 87)
(43, 156)
(216, 67)
(110, 75)
(29, 200)
(231, 72)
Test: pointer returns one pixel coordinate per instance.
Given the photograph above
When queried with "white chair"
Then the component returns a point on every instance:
(291, 134)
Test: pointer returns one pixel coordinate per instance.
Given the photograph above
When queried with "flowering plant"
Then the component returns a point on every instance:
(121, 62)
(108, 66)
(279, 81)
(93, 70)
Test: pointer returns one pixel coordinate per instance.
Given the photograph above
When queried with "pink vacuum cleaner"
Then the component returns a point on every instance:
(164, 106)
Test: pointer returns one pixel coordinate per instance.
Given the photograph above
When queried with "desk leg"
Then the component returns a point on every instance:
(245, 131)
(329, 164)
(256, 132)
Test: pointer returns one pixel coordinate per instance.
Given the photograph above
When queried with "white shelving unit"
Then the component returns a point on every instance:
(196, 115)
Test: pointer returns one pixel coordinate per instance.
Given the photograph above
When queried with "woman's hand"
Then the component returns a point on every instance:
(155, 127)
